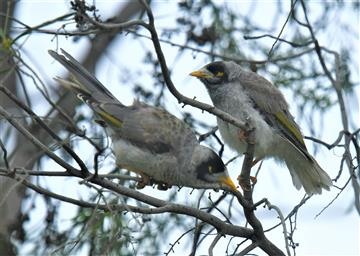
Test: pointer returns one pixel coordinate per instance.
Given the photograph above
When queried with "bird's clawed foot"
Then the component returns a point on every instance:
(145, 180)
(163, 186)
(242, 135)
(256, 160)
(253, 180)
(148, 181)
(244, 184)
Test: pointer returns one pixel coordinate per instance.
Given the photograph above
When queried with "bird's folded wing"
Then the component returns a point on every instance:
(147, 127)
(262, 92)
(292, 133)
(269, 101)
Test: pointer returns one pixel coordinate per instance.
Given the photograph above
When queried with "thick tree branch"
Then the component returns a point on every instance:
(259, 236)
(160, 206)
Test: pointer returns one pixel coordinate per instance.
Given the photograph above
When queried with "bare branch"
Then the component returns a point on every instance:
(247, 249)
(282, 28)
(336, 83)
(118, 26)
(282, 220)
(177, 241)
(2, 146)
(293, 44)
(35, 141)
(247, 200)
(46, 128)
(329, 146)
(213, 244)
(165, 72)
(333, 200)
(160, 205)
(22, 171)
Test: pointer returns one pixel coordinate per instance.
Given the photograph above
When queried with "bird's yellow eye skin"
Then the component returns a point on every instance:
(210, 169)
(219, 74)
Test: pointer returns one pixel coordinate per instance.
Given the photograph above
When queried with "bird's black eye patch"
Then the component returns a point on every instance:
(217, 164)
(211, 166)
(216, 68)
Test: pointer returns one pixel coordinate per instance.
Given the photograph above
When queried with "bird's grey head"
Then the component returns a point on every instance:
(209, 168)
(217, 73)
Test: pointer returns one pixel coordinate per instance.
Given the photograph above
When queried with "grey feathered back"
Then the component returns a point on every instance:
(260, 89)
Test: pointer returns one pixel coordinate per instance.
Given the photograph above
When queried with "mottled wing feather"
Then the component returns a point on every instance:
(150, 128)
(275, 110)
(261, 90)
(288, 131)
(290, 126)
(147, 127)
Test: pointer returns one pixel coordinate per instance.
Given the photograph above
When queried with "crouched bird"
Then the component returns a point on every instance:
(250, 97)
(147, 140)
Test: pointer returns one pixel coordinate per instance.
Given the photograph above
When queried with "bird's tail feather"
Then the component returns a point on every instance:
(309, 175)
(83, 81)
(73, 85)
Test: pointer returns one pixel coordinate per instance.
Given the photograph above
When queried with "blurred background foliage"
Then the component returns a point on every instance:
(219, 30)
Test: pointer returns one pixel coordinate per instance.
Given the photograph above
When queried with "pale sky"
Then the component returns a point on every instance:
(335, 232)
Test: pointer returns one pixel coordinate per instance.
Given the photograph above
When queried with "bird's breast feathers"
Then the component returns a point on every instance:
(156, 166)
(243, 110)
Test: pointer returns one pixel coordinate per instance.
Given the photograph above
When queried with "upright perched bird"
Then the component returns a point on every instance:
(148, 140)
(248, 96)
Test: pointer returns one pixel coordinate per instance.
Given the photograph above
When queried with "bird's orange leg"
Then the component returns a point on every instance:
(144, 179)
(147, 180)
(242, 135)
(253, 180)
(256, 160)
(244, 184)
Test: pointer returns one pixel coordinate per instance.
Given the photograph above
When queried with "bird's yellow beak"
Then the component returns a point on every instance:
(228, 182)
(201, 74)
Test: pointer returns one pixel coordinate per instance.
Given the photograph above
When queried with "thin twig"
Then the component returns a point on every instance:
(282, 28)
(247, 249)
(177, 241)
(67, 148)
(213, 244)
(35, 141)
(293, 44)
(336, 83)
(329, 146)
(282, 220)
(3, 148)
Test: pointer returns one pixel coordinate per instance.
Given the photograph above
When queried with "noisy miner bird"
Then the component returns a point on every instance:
(148, 140)
(248, 96)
